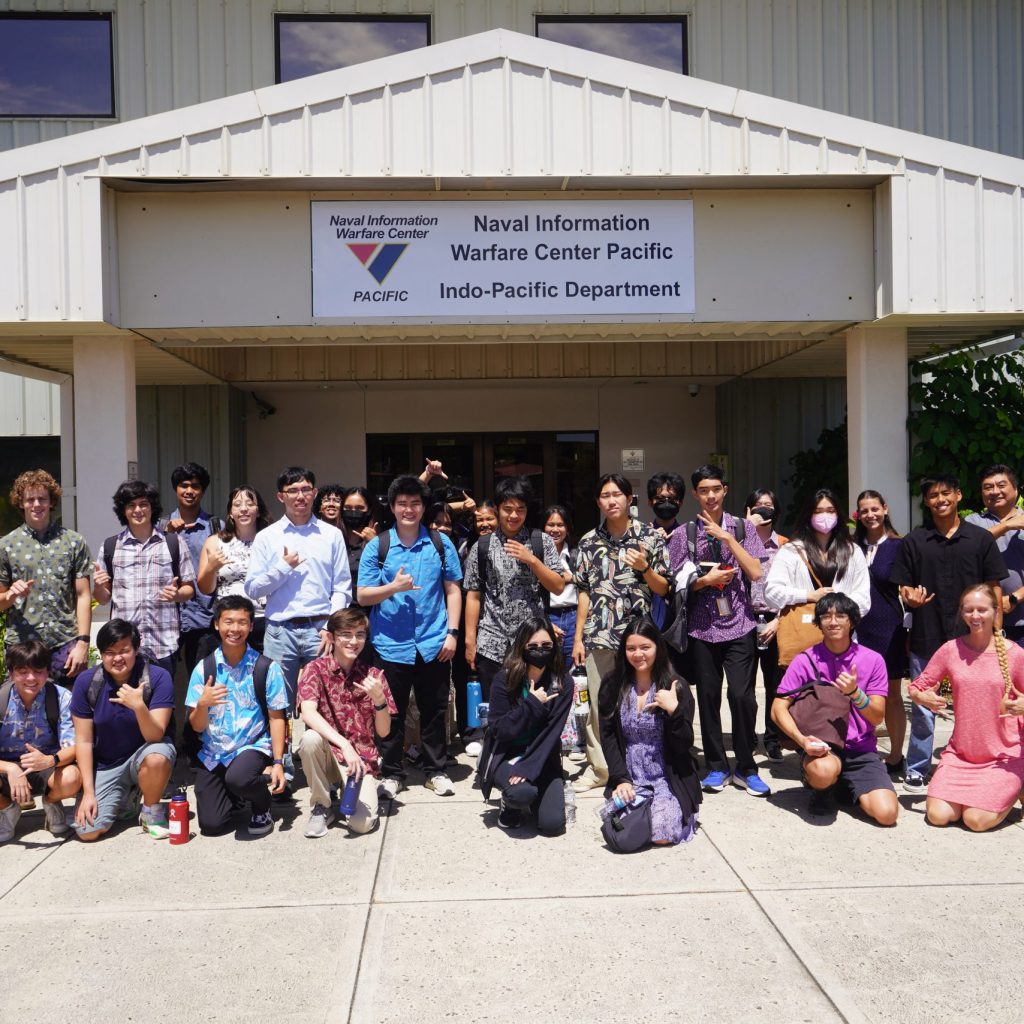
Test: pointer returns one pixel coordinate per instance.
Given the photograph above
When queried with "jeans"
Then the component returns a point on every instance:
(565, 620)
(922, 729)
(292, 647)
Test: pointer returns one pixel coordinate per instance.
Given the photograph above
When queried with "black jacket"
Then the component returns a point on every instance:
(680, 767)
(511, 717)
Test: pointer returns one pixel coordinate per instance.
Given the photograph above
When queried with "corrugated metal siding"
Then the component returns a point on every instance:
(28, 408)
(950, 68)
(764, 422)
(192, 424)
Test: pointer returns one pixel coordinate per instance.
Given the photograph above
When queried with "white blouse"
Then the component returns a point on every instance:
(789, 581)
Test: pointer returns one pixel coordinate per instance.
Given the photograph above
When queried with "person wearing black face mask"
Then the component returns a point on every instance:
(521, 755)
(762, 510)
(357, 522)
(665, 493)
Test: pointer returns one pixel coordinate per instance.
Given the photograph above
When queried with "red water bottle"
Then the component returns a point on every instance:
(177, 819)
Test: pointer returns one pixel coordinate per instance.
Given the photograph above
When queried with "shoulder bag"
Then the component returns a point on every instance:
(797, 630)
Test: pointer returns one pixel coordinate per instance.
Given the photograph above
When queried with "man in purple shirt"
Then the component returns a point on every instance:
(722, 629)
(860, 674)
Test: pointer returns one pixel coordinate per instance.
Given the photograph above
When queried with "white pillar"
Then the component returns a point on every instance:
(877, 405)
(106, 444)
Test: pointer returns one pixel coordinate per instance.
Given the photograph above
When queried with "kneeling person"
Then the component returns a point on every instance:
(37, 750)
(860, 675)
(346, 706)
(124, 735)
(236, 700)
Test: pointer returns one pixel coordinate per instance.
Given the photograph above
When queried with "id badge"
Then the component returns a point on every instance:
(722, 606)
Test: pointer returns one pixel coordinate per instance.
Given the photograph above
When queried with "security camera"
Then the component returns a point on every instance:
(694, 390)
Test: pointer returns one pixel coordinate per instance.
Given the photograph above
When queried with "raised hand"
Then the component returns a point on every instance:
(667, 700)
(292, 558)
(541, 694)
(131, 697)
(847, 682)
(100, 576)
(20, 588)
(170, 592)
(35, 760)
(916, 597)
(213, 695)
(403, 581)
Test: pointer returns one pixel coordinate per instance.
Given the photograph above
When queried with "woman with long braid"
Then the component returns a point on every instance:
(981, 773)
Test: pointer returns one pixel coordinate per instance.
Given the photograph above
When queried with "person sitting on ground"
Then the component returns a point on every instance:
(123, 712)
(859, 674)
(522, 750)
(37, 742)
(981, 772)
(646, 734)
(346, 706)
(236, 701)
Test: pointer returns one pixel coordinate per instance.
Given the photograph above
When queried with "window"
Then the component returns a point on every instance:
(310, 43)
(56, 65)
(645, 39)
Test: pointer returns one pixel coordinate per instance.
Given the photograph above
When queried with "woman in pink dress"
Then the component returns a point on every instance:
(981, 773)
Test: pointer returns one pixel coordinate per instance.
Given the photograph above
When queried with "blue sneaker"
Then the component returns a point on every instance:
(714, 782)
(753, 784)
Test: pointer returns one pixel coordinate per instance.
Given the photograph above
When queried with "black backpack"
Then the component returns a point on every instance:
(50, 698)
(484, 545)
(384, 546)
(172, 545)
(259, 679)
(92, 695)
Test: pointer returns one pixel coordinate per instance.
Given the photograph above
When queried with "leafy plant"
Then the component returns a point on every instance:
(825, 465)
(968, 417)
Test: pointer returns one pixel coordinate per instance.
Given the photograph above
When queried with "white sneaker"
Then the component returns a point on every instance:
(9, 822)
(56, 818)
(473, 748)
(388, 789)
(440, 784)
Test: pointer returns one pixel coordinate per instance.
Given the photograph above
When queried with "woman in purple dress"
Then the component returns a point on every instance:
(646, 733)
(881, 629)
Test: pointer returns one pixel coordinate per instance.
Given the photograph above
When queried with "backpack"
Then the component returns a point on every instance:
(50, 698)
(171, 539)
(484, 545)
(259, 679)
(741, 536)
(384, 546)
(92, 695)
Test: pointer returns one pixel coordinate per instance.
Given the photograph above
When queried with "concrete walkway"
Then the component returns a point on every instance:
(768, 916)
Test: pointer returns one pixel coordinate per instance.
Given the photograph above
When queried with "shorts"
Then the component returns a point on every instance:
(113, 785)
(862, 773)
(37, 780)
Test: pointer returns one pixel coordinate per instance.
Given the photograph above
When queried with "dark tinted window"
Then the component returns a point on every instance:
(310, 44)
(56, 65)
(659, 42)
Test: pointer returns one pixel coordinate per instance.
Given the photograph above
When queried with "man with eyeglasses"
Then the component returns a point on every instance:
(409, 576)
(620, 566)
(300, 565)
(45, 572)
(346, 707)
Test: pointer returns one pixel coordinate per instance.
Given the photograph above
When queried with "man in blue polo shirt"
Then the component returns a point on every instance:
(409, 577)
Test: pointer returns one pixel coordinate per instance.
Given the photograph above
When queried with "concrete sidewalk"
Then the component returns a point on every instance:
(768, 915)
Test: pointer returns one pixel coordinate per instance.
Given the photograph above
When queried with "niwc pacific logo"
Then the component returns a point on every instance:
(379, 259)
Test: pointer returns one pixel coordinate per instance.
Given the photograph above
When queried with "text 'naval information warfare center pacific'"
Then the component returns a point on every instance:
(466, 260)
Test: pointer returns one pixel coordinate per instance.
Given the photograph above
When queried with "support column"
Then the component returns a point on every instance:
(106, 443)
(877, 404)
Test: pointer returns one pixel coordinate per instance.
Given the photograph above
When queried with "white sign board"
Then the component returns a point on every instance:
(502, 261)
(632, 460)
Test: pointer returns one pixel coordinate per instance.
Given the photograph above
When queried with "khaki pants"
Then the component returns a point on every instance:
(322, 771)
(599, 663)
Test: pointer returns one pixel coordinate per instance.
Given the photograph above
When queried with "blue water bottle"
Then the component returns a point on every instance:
(474, 694)
(350, 798)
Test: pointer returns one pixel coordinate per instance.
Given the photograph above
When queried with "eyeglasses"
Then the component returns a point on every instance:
(540, 647)
(346, 637)
(838, 616)
(298, 492)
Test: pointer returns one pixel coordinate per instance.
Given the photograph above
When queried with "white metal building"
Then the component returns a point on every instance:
(164, 263)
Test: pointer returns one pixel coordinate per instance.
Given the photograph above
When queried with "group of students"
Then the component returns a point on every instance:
(329, 615)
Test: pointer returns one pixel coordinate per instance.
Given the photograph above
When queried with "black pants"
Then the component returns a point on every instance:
(737, 659)
(218, 791)
(429, 681)
(545, 797)
(771, 674)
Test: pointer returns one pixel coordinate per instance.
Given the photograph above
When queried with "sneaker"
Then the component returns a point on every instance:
(388, 789)
(320, 820)
(773, 751)
(715, 782)
(154, 823)
(473, 748)
(9, 822)
(753, 784)
(914, 784)
(509, 817)
(129, 810)
(588, 781)
(897, 771)
(440, 784)
(56, 818)
(261, 824)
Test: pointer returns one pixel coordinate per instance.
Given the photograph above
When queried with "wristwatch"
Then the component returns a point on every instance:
(279, 760)
(84, 638)
(380, 707)
(454, 632)
(1014, 600)
(56, 759)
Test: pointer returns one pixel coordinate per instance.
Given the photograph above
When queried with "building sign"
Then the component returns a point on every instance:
(632, 460)
(502, 261)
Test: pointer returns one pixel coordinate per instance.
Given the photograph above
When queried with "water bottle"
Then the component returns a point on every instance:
(474, 695)
(579, 678)
(762, 627)
(177, 819)
(350, 798)
(570, 804)
(616, 805)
